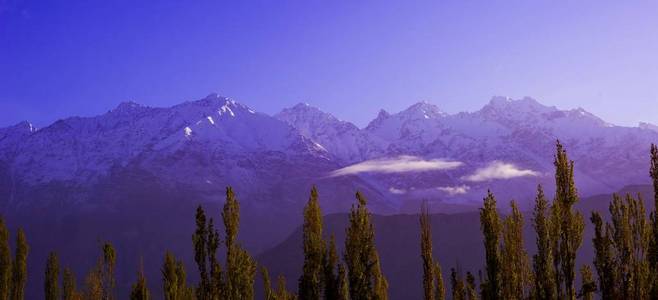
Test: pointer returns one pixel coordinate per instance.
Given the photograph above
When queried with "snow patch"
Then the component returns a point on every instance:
(188, 131)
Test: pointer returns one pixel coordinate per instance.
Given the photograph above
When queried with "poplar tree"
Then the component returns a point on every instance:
(100, 281)
(310, 282)
(282, 292)
(471, 290)
(515, 269)
(174, 279)
(240, 267)
(268, 292)
(93, 283)
(491, 228)
(343, 283)
(69, 286)
(603, 259)
(440, 292)
(331, 277)
(458, 288)
(51, 283)
(215, 283)
(360, 253)
(544, 285)
(108, 281)
(200, 242)
(426, 252)
(380, 287)
(5, 261)
(571, 222)
(587, 286)
(652, 256)
(621, 252)
(19, 268)
(139, 289)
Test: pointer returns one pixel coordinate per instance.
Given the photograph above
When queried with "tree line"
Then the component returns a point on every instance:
(625, 262)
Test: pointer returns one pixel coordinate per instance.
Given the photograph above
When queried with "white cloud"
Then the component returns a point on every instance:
(393, 190)
(400, 164)
(498, 170)
(454, 190)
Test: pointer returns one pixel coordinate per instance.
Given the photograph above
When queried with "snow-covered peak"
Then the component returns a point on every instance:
(214, 105)
(342, 139)
(303, 113)
(424, 110)
(501, 106)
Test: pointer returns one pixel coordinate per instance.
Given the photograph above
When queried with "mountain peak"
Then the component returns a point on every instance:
(423, 109)
(127, 106)
(383, 114)
(214, 103)
(22, 126)
(526, 104)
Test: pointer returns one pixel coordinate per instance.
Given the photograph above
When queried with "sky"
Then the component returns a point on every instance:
(349, 58)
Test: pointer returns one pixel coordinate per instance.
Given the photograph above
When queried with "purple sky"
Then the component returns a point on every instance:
(350, 58)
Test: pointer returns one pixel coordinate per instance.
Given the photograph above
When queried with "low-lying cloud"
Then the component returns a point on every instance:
(400, 164)
(393, 190)
(454, 190)
(499, 170)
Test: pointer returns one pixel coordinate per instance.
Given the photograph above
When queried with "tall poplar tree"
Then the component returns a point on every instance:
(515, 268)
(108, 280)
(331, 276)
(310, 282)
(174, 279)
(587, 286)
(440, 291)
(139, 289)
(458, 287)
(471, 290)
(603, 258)
(268, 292)
(544, 280)
(69, 286)
(621, 252)
(361, 255)
(51, 283)
(426, 253)
(240, 267)
(571, 221)
(343, 283)
(19, 268)
(652, 256)
(491, 228)
(380, 285)
(200, 242)
(5, 261)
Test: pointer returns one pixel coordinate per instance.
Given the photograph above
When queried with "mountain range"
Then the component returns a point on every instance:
(135, 174)
(200, 147)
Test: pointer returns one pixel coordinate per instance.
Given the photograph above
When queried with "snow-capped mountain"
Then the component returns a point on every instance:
(420, 152)
(150, 167)
(506, 137)
(343, 140)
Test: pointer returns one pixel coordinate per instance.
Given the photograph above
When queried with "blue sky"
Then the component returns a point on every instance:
(350, 58)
